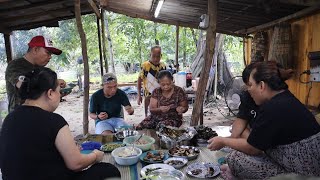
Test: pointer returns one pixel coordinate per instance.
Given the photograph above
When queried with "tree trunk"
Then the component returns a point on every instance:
(140, 50)
(110, 44)
(104, 41)
(100, 46)
(85, 64)
(177, 48)
(156, 41)
(194, 37)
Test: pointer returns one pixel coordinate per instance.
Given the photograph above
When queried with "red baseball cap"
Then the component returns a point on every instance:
(40, 41)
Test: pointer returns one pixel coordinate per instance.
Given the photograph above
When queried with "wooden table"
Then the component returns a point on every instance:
(133, 172)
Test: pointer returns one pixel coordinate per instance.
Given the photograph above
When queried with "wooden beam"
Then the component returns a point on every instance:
(31, 6)
(7, 41)
(95, 8)
(301, 2)
(4, 30)
(297, 15)
(177, 48)
(85, 64)
(210, 45)
(104, 3)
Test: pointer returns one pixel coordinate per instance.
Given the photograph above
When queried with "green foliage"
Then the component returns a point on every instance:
(233, 47)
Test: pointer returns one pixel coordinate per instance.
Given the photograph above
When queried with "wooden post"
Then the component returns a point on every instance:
(85, 64)
(210, 43)
(100, 46)
(104, 41)
(177, 47)
(248, 42)
(7, 42)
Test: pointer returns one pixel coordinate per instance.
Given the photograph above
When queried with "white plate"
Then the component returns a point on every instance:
(152, 166)
(204, 170)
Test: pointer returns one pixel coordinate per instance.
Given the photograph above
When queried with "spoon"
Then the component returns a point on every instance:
(132, 150)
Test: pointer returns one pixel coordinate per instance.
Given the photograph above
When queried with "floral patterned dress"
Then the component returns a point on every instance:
(170, 118)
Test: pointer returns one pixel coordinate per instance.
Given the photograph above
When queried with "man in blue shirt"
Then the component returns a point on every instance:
(106, 104)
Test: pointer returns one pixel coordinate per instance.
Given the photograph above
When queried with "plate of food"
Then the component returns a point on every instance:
(176, 162)
(154, 156)
(203, 170)
(108, 147)
(188, 152)
(147, 170)
(167, 174)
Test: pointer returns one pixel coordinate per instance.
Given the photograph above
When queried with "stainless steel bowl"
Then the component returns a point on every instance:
(168, 144)
(126, 133)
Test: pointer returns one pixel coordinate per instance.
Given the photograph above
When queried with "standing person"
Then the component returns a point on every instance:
(148, 75)
(37, 143)
(168, 103)
(285, 137)
(106, 104)
(38, 55)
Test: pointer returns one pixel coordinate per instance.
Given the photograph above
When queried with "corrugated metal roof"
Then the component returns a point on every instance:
(233, 15)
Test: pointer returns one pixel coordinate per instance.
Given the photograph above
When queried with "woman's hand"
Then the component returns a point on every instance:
(103, 115)
(216, 143)
(180, 110)
(99, 155)
(164, 109)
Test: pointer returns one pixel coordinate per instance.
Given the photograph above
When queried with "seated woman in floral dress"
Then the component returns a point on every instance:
(167, 104)
(285, 137)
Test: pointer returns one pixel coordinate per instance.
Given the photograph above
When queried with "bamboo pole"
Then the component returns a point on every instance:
(210, 43)
(85, 64)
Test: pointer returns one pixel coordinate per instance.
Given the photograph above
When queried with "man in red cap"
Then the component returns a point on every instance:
(38, 55)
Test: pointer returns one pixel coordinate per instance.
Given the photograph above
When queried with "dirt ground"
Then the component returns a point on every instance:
(72, 110)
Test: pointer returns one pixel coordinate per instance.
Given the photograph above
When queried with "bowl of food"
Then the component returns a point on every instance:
(108, 147)
(126, 156)
(144, 143)
(120, 135)
(176, 162)
(188, 152)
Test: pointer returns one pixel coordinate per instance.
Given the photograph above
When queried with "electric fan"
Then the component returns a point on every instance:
(232, 94)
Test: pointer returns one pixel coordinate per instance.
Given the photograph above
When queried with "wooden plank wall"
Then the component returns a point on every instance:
(306, 38)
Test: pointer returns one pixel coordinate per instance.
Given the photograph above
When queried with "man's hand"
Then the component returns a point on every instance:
(129, 109)
(216, 143)
(103, 115)
(62, 83)
(139, 99)
(164, 109)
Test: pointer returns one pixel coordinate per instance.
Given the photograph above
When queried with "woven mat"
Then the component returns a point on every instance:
(133, 172)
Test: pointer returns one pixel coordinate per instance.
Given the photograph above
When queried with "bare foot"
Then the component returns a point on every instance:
(226, 172)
